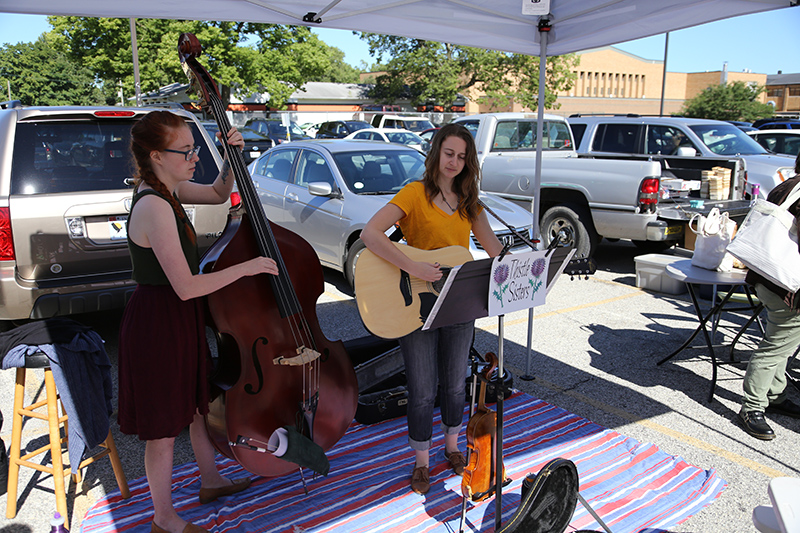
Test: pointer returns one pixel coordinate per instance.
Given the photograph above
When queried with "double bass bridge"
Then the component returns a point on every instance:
(304, 356)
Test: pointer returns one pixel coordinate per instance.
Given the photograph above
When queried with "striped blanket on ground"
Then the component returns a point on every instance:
(633, 486)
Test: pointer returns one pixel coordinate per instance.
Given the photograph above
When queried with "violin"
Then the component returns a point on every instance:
(276, 368)
(478, 479)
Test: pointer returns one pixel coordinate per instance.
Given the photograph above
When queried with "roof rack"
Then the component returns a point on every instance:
(10, 104)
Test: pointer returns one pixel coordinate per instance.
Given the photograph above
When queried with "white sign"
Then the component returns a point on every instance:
(535, 7)
(518, 282)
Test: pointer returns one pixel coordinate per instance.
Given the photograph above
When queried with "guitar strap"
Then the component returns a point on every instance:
(506, 224)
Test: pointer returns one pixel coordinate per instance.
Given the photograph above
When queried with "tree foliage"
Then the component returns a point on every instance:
(732, 101)
(279, 62)
(429, 71)
(41, 73)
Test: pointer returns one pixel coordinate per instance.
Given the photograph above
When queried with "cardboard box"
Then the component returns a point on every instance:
(651, 274)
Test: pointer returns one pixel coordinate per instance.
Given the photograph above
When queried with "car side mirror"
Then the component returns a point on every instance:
(320, 188)
(686, 151)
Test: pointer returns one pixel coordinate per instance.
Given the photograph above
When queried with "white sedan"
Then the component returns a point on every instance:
(392, 135)
(778, 141)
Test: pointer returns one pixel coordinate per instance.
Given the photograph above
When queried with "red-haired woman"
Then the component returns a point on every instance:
(162, 346)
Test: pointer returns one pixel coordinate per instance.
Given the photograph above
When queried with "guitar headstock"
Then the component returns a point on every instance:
(585, 266)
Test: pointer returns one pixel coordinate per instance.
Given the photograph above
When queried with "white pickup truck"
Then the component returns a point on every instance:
(592, 198)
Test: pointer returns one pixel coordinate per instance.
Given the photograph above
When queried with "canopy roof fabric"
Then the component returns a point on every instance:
(496, 25)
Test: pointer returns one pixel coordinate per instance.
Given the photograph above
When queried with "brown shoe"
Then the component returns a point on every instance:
(190, 528)
(457, 462)
(209, 495)
(420, 480)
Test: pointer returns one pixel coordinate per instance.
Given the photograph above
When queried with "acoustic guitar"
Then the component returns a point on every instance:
(393, 303)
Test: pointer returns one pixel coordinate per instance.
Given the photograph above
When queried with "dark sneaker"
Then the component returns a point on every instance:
(420, 480)
(457, 462)
(755, 424)
(786, 408)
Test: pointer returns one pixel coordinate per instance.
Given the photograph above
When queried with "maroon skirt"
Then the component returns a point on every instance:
(162, 361)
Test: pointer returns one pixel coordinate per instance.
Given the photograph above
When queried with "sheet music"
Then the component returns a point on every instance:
(436, 306)
(560, 270)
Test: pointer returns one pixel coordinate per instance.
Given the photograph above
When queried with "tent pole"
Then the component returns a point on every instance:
(136, 82)
(544, 28)
(664, 75)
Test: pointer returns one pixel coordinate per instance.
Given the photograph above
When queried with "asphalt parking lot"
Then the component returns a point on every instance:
(595, 347)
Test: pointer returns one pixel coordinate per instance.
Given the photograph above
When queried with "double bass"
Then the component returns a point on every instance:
(277, 369)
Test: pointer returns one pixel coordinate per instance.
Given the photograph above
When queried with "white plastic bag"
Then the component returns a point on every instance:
(714, 234)
(767, 242)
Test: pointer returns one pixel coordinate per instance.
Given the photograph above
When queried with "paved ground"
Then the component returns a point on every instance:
(596, 343)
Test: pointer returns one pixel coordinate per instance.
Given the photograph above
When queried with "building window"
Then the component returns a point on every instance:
(775, 92)
(794, 91)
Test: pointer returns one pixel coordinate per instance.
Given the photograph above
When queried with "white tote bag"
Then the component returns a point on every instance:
(714, 234)
(767, 242)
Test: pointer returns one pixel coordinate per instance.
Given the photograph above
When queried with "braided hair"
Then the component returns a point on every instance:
(466, 183)
(154, 132)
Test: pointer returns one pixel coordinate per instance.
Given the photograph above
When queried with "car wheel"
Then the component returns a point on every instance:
(350, 265)
(574, 224)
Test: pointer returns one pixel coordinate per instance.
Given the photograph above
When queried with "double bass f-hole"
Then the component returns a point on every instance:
(248, 388)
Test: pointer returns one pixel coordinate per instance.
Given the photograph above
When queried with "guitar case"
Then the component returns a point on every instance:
(548, 500)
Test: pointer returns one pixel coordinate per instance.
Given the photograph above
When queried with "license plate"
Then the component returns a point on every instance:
(671, 230)
(254, 154)
(118, 228)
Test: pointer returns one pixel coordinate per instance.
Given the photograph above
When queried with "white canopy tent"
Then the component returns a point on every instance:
(572, 26)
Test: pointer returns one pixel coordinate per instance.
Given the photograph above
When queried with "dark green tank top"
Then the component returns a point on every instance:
(146, 268)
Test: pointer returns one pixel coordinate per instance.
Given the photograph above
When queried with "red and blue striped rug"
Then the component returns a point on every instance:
(634, 487)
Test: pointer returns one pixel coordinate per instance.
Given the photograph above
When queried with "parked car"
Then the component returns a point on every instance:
(65, 194)
(778, 141)
(782, 124)
(327, 190)
(389, 135)
(255, 143)
(429, 133)
(415, 124)
(339, 129)
(276, 131)
(310, 128)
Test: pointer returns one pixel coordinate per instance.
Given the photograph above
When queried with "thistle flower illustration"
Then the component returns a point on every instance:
(537, 269)
(500, 276)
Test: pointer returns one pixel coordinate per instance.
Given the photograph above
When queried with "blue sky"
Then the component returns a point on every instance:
(764, 43)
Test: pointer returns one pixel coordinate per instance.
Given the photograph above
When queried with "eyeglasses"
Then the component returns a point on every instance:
(188, 154)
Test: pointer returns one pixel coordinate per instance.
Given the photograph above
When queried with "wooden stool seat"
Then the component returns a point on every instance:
(50, 413)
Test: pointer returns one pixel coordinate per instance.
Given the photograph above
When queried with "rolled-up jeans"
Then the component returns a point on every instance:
(436, 357)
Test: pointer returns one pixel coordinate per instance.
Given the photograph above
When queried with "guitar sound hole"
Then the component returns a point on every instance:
(437, 286)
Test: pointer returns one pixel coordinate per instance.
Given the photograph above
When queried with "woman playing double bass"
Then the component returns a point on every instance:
(438, 211)
(162, 347)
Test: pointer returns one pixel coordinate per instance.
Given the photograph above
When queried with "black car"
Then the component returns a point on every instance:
(339, 129)
(254, 142)
(276, 131)
(777, 123)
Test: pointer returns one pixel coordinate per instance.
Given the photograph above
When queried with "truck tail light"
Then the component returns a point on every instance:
(6, 238)
(648, 192)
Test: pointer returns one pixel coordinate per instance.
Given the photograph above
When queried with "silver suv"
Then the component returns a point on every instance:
(65, 194)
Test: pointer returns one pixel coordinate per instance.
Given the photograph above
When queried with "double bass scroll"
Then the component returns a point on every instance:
(286, 373)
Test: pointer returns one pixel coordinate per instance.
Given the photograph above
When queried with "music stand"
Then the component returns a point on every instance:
(465, 297)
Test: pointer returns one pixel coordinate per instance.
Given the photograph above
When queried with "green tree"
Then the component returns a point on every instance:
(732, 101)
(429, 71)
(337, 70)
(41, 73)
(280, 61)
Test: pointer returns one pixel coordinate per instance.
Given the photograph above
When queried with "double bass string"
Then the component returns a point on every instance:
(268, 247)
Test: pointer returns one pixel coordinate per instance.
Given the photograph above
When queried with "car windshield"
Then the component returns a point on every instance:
(417, 125)
(356, 125)
(379, 172)
(276, 128)
(251, 135)
(403, 137)
(727, 139)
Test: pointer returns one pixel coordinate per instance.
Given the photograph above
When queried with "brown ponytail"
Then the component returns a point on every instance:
(154, 132)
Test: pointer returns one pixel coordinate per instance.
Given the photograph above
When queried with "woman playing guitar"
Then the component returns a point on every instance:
(436, 212)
